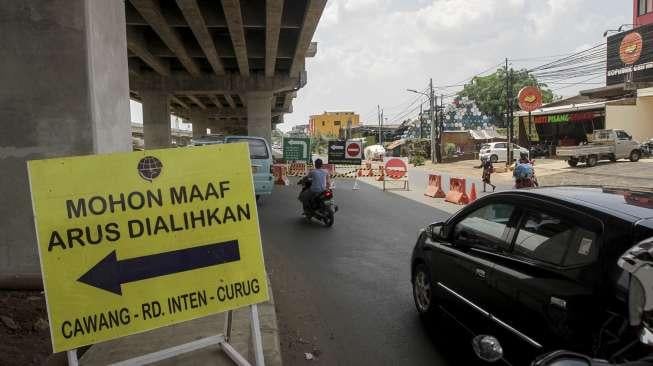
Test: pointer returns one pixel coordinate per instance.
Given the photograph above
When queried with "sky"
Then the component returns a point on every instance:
(371, 51)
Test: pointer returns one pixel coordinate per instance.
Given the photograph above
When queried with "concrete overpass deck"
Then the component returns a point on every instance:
(69, 68)
(220, 63)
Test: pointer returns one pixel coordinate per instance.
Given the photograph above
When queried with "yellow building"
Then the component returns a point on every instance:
(330, 123)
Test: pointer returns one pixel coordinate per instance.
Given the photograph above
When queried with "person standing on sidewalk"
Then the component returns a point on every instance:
(488, 169)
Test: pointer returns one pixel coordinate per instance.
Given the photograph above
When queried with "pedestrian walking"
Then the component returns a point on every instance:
(488, 169)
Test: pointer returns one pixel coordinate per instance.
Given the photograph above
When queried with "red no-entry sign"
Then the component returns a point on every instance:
(396, 168)
(353, 149)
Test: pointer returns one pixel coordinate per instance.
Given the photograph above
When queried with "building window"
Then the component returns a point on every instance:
(323, 123)
(645, 7)
(336, 123)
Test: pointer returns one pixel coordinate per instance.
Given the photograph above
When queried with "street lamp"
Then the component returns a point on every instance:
(618, 30)
(418, 92)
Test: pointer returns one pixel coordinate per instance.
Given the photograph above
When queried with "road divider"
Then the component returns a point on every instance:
(434, 187)
(280, 172)
(457, 191)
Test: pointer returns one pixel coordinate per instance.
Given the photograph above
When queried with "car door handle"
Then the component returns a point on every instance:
(479, 273)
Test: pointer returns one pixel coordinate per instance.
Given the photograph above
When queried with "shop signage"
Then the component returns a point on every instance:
(630, 56)
(562, 118)
(135, 241)
(530, 98)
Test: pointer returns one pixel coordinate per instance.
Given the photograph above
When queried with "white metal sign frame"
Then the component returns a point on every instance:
(221, 339)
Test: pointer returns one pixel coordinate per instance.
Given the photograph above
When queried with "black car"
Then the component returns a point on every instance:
(536, 268)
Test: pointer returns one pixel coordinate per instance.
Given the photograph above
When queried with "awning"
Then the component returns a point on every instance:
(485, 134)
(396, 144)
(569, 108)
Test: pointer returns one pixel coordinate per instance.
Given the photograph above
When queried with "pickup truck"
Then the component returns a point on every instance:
(606, 145)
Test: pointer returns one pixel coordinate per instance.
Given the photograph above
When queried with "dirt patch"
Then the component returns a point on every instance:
(23, 328)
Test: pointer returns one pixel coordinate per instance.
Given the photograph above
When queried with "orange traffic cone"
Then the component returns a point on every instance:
(472, 193)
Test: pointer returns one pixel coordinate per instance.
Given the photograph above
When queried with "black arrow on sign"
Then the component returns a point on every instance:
(110, 273)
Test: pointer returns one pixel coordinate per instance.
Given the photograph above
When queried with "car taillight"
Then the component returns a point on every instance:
(328, 194)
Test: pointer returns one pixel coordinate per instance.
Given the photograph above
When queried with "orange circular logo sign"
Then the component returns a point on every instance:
(530, 98)
(630, 49)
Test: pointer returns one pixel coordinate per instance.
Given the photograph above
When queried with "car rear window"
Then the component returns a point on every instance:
(258, 149)
(555, 240)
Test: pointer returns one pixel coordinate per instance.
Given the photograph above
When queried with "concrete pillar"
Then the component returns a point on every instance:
(65, 91)
(156, 119)
(259, 114)
(200, 120)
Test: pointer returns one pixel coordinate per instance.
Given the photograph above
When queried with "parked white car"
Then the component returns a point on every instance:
(498, 151)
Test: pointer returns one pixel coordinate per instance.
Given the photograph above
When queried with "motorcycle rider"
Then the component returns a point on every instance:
(320, 182)
(524, 173)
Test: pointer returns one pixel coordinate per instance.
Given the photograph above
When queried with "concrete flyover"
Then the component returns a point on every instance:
(204, 59)
(69, 67)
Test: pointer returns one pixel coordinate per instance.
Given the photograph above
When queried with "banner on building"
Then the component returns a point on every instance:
(630, 56)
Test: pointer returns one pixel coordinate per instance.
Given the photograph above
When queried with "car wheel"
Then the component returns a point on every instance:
(613, 158)
(494, 159)
(592, 160)
(635, 155)
(423, 291)
(572, 162)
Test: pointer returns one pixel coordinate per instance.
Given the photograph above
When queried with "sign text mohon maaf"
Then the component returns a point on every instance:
(135, 241)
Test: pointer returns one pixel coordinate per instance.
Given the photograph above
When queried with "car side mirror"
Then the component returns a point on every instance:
(487, 348)
(436, 231)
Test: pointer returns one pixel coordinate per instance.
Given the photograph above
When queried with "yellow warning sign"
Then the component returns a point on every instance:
(135, 241)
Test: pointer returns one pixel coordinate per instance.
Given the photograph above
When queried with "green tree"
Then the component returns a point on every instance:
(319, 144)
(489, 92)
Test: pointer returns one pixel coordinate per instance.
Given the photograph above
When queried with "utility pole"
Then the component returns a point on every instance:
(441, 125)
(381, 129)
(378, 120)
(421, 123)
(508, 123)
(435, 144)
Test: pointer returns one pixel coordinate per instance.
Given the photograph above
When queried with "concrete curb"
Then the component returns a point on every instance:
(241, 336)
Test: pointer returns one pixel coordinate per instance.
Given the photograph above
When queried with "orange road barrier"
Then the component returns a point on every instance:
(280, 172)
(434, 188)
(457, 191)
(297, 169)
(472, 193)
(381, 177)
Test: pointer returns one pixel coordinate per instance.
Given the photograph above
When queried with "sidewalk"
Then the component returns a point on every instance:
(139, 344)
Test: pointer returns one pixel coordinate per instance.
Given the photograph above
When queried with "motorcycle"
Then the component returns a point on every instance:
(638, 263)
(322, 206)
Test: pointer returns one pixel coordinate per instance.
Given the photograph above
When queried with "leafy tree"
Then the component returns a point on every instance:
(489, 92)
(319, 144)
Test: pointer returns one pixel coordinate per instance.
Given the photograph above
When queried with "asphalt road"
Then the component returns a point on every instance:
(344, 293)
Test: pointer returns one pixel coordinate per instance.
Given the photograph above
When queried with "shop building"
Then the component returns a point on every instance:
(566, 122)
(629, 76)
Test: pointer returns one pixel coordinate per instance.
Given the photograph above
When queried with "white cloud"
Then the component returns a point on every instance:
(370, 51)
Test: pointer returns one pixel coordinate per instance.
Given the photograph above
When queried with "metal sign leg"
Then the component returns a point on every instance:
(256, 335)
(228, 317)
(72, 357)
